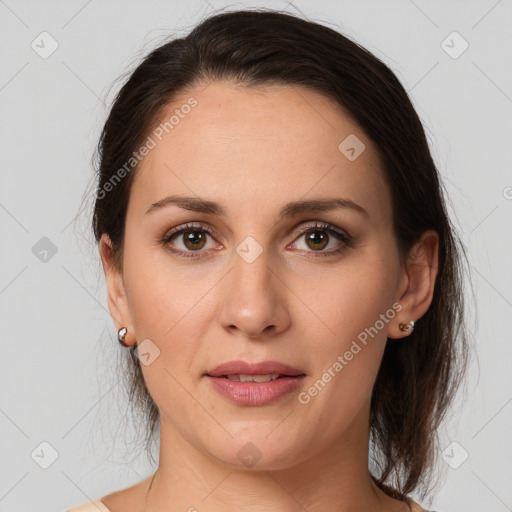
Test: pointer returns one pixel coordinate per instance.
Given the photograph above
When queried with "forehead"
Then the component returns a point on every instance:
(255, 148)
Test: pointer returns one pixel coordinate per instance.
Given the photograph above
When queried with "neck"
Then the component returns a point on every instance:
(336, 479)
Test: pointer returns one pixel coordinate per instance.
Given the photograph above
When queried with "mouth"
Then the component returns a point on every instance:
(243, 371)
(249, 384)
(240, 377)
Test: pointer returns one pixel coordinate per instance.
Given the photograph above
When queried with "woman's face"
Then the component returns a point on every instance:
(264, 284)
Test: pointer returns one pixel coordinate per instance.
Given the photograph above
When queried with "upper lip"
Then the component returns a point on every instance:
(245, 368)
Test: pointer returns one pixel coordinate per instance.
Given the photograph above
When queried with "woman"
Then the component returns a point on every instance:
(280, 263)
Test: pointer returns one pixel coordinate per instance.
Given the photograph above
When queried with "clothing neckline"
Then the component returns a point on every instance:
(102, 505)
(408, 501)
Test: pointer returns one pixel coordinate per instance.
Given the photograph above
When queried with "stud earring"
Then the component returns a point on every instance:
(406, 327)
(121, 334)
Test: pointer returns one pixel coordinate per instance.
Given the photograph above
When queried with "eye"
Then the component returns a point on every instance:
(191, 238)
(320, 235)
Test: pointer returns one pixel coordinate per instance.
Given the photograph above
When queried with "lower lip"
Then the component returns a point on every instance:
(255, 393)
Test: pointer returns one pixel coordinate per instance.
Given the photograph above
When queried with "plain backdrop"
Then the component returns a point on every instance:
(65, 437)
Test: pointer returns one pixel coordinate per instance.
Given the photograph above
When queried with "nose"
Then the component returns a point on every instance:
(254, 299)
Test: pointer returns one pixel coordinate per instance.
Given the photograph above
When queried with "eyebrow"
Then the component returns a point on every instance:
(292, 209)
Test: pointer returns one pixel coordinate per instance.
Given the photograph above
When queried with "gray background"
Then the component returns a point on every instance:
(59, 383)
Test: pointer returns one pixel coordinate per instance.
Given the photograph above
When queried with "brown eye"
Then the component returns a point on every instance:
(323, 240)
(194, 239)
(317, 239)
(189, 240)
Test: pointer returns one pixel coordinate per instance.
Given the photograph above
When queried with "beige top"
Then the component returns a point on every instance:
(97, 506)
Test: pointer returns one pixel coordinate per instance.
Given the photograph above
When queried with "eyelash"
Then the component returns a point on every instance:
(344, 237)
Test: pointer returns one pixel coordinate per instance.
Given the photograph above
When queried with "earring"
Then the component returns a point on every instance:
(121, 334)
(406, 327)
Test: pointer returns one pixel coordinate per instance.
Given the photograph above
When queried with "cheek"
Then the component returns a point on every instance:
(169, 305)
(352, 298)
(160, 293)
(167, 309)
(353, 310)
(346, 358)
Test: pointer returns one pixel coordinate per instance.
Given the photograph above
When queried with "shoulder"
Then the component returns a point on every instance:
(90, 506)
(129, 499)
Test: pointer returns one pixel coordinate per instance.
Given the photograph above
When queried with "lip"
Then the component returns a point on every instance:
(263, 368)
(255, 393)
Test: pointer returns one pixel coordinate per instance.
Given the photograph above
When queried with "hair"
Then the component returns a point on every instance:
(418, 377)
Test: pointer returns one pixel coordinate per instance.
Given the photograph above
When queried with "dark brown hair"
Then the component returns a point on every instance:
(418, 376)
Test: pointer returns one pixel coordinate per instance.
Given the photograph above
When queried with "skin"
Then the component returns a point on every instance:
(252, 150)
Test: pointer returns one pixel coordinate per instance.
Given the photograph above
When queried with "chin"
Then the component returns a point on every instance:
(258, 452)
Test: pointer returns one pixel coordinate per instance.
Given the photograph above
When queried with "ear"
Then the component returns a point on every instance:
(417, 284)
(117, 301)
